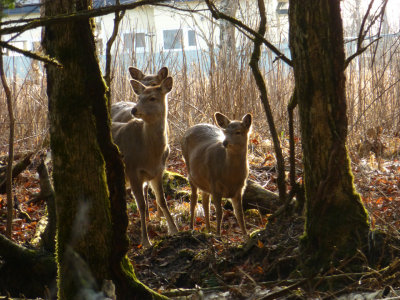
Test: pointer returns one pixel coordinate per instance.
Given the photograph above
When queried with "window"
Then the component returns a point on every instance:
(128, 42)
(282, 8)
(134, 39)
(192, 38)
(140, 41)
(172, 39)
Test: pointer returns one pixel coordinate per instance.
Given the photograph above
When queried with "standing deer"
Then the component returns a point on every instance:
(121, 111)
(143, 143)
(216, 159)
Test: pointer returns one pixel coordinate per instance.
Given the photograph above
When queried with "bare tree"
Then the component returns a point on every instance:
(336, 220)
(88, 173)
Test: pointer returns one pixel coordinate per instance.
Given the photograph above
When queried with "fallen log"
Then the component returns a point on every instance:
(17, 169)
(255, 196)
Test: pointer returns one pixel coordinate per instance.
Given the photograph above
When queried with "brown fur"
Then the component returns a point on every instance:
(143, 143)
(216, 159)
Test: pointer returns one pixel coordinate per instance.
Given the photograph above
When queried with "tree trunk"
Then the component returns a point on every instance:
(91, 231)
(336, 220)
(24, 271)
(227, 36)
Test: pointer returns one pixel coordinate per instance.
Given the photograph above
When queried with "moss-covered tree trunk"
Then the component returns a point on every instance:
(336, 221)
(88, 173)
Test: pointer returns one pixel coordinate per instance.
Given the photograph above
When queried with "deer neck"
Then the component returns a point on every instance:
(156, 133)
(235, 160)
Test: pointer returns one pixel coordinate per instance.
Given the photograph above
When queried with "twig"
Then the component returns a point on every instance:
(107, 77)
(362, 33)
(284, 291)
(85, 14)
(219, 15)
(247, 275)
(254, 61)
(7, 91)
(296, 282)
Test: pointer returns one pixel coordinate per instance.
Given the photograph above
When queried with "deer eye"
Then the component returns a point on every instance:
(238, 132)
(152, 99)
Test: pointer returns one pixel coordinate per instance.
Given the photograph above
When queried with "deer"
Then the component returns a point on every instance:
(143, 142)
(121, 111)
(216, 161)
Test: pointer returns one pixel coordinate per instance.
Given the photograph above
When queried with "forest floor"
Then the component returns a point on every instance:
(196, 263)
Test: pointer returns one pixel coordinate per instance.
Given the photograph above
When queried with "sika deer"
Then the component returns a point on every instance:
(143, 143)
(121, 111)
(216, 159)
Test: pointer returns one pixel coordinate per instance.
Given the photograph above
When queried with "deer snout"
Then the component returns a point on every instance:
(134, 111)
(225, 143)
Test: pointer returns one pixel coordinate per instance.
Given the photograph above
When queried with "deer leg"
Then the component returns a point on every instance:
(238, 211)
(137, 189)
(156, 184)
(159, 213)
(218, 208)
(205, 200)
(193, 203)
(146, 200)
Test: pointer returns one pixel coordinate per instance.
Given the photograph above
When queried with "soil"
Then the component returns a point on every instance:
(194, 259)
(194, 262)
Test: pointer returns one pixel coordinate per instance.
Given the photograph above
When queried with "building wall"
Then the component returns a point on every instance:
(158, 34)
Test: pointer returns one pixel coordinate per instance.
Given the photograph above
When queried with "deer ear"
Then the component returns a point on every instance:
(166, 84)
(138, 88)
(136, 73)
(163, 73)
(247, 119)
(221, 120)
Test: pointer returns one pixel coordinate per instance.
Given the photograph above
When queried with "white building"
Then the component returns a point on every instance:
(159, 31)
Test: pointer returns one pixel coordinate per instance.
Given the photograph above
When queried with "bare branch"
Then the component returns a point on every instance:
(107, 77)
(363, 32)
(359, 52)
(219, 15)
(38, 22)
(254, 64)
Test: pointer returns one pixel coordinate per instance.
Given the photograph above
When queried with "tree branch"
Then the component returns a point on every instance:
(107, 77)
(30, 54)
(219, 15)
(358, 52)
(363, 32)
(44, 21)
(254, 60)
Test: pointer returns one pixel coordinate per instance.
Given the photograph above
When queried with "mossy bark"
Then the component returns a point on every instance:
(88, 177)
(24, 271)
(336, 221)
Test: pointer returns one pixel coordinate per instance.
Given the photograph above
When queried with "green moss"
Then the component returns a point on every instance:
(187, 253)
(139, 290)
(254, 233)
(333, 236)
(173, 181)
